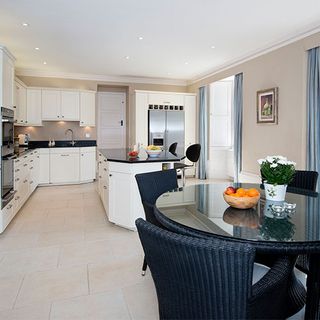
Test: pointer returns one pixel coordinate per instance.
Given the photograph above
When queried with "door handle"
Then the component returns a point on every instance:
(121, 123)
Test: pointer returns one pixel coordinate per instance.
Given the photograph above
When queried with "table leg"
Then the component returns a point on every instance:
(313, 288)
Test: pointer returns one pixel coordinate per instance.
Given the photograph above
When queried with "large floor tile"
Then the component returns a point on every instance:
(34, 312)
(29, 260)
(86, 252)
(60, 237)
(115, 275)
(103, 306)
(52, 285)
(142, 301)
(9, 288)
(18, 241)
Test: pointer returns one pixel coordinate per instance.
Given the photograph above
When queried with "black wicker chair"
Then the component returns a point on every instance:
(199, 278)
(173, 148)
(192, 154)
(151, 185)
(304, 180)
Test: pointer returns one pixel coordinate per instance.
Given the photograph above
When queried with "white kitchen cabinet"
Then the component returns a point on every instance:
(87, 164)
(87, 109)
(7, 78)
(51, 102)
(70, 105)
(64, 165)
(44, 166)
(20, 114)
(165, 98)
(6, 215)
(33, 109)
(141, 118)
(34, 167)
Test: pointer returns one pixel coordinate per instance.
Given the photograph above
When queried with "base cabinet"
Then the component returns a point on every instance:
(87, 164)
(64, 165)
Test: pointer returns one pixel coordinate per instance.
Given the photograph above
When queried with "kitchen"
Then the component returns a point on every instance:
(67, 245)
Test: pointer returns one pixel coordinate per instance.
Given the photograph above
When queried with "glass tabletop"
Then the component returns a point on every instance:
(203, 207)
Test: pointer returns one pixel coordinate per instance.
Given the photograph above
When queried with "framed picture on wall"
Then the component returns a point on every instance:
(267, 106)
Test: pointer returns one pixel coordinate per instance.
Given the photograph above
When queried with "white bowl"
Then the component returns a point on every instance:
(153, 153)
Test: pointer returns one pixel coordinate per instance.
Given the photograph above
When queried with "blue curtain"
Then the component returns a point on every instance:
(237, 136)
(313, 135)
(203, 132)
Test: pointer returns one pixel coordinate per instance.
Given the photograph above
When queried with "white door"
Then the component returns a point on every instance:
(87, 109)
(21, 104)
(51, 101)
(111, 120)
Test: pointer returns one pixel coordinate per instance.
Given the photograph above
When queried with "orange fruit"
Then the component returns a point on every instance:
(235, 195)
(241, 192)
(253, 192)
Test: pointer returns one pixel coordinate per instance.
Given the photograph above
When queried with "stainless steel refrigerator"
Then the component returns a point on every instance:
(166, 126)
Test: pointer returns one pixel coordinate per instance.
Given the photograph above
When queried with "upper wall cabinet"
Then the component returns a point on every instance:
(166, 99)
(20, 106)
(34, 107)
(51, 104)
(7, 78)
(70, 105)
(87, 109)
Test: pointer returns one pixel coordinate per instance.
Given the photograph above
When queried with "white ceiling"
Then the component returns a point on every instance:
(94, 37)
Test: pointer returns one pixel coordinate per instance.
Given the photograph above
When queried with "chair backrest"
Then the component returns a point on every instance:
(197, 278)
(173, 148)
(305, 180)
(193, 152)
(151, 185)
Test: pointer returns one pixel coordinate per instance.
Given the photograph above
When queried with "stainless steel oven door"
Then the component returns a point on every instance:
(7, 183)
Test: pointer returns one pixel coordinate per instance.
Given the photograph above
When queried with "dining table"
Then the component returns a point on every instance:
(288, 227)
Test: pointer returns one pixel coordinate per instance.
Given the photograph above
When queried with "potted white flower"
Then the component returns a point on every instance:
(276, 173)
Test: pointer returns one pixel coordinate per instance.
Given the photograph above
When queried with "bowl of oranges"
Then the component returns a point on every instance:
(241, 198)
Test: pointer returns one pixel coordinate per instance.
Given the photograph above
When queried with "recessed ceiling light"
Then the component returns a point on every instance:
(44, 62)
(213, 47)
(127, 57)
(169, 73)
(25, 24)
(186, 62)
(36, 48)
(140, 38)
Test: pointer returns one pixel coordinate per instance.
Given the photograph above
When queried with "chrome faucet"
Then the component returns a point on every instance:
(72, 142)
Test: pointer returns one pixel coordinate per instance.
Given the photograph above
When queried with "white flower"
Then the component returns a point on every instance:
(291, 163)
(269, 159)
(281, 158)
(274, 165)
(261, 161)
(284, 162)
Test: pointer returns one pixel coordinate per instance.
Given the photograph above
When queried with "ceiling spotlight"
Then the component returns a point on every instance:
(127, 57)
(213, 47)
(25, 24)
(36, 48)
(186, 62)
(140, 38)
(44, 62)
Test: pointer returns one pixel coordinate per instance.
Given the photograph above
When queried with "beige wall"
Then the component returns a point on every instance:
(284, 68)
(53, 129)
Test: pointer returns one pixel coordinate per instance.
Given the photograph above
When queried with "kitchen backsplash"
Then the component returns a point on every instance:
(56, 130)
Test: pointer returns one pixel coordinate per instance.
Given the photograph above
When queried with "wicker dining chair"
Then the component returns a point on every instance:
(197, 278)
(151, 185)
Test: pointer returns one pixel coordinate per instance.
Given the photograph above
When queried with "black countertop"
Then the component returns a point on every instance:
(62, 144)
(121, 155)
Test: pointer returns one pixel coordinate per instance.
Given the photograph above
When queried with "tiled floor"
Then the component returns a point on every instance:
(61, 259)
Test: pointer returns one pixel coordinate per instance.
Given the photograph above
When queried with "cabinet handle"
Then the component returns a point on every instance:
(17, 170)
(38, 157)
(26, 121)
(17, 198)
(16, 161)
(104, 187)
(10, 206)
(82, 154)
(25, 164)
(110, 175)
(64, 155)
(25, 181)
(31, 168)
(104, 169)
(81, 121)
(31, 160)
(58, 116)
(100, 162)
(31, 182)
(105, 160)
(21, 120)
(25, 156)
(17, 179)
(14, 107)
(100, 177)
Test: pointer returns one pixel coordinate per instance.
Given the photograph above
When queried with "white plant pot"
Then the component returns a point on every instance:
(275, 192)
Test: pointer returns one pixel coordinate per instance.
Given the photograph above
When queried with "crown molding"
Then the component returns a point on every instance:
(96, 77)
(8, 53)
(256, 53)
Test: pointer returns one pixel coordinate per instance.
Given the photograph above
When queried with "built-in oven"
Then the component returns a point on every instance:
(7, 156)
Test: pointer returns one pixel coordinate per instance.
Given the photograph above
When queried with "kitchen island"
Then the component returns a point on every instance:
(117, 185)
